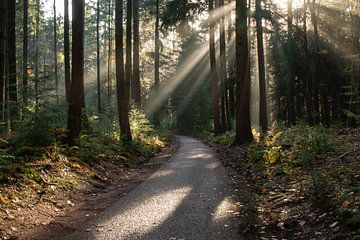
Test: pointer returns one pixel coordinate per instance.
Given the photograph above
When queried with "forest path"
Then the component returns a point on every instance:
(188, 198)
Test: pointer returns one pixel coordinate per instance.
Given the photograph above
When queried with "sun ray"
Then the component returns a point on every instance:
(184, 69)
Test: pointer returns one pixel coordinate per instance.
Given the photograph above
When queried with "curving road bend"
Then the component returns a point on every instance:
(188, 198)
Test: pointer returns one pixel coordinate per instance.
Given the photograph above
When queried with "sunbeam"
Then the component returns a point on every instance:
(184, 69)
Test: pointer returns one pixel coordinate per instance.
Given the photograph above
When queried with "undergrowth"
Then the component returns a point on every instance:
(37, 155)
(308, 155)
(316, 164)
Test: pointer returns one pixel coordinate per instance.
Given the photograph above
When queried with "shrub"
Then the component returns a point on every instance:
(269, 151)
(224, 139)
(306, 142)
(34, 127)
(321, 189)
(106, 126)
(140, 124)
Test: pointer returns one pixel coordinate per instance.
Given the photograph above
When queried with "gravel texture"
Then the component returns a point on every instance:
(188, 198)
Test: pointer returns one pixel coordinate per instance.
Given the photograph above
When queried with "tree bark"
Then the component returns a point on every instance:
(136, 87)
(213, 72)
(77, 98)
(157, 61)
(291, 81)
(37, 37)
(314, 83)
(243, 122)
(223, 98)
(98, 56)
(355, 65)
(261, 65)
(55, 57)
(67, 50)
(25, 53)
(306, 67)
(230, 84)
(11, 47)
(109, 54)
(122, 86)
(3, 18)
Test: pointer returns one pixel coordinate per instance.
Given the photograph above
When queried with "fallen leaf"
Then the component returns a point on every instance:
(333, 224)
(70, 203)
(4, 200)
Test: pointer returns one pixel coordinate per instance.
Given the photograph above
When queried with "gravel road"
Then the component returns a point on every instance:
(188, 198)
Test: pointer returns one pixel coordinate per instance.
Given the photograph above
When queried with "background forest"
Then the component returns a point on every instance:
(110, 80)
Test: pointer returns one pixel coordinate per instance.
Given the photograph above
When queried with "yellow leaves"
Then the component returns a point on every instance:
(4, 200)
(274, 155)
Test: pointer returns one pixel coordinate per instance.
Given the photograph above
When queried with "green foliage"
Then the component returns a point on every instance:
(225, 139)
(300, 144)
(350, 218)
(307, 142)
(35, 125)
(269, 151)
(256, 153)
(274, 155)
(320, 185)
(105, 126)
(140, 124)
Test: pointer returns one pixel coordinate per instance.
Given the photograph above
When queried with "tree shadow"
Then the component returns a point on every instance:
(188, 198)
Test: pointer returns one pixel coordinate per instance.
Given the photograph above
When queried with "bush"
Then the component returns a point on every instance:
(105, 126)
(140, 124)
(321, 189)
(34, 127)
(224, 139)
(306, 142)
(269, 151)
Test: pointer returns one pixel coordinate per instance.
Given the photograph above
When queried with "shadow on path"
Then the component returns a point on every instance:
(188, 198)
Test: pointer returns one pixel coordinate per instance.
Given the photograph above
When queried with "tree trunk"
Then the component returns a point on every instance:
(37, 37)
(25, 53)
(55, 57)
(3, 18)
(109, 54)
(223, 97)
(355, 65)
(126, 135)
(306, 67)
(230, 84)
(291, 81)
(119, 60)
(228, 87)
(67, 50)
(334, 103)
(157, 61)
(214, 73)
(77, 98)
(121, 82)
(11, 47)
(243, 122)
(314, 83)
(325, 106)
(98, 56)
(261, 65)
(136, 87)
